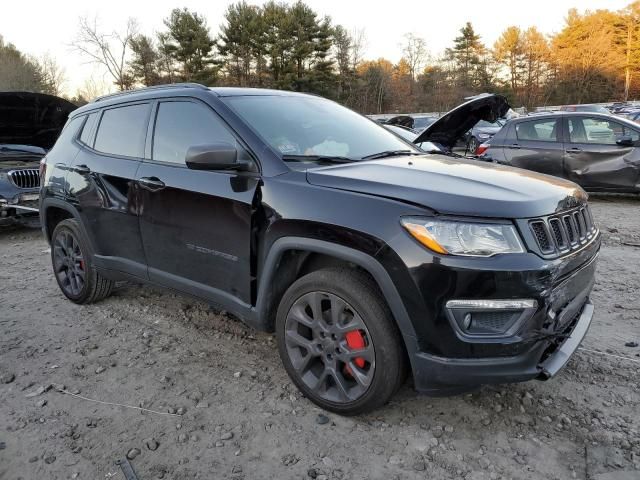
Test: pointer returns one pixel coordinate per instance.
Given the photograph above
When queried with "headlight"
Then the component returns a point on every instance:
(464, 238)
(484, 136)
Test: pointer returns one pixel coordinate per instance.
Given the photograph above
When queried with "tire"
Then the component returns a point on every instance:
(71, 261)
(473, 145)
(341, 371)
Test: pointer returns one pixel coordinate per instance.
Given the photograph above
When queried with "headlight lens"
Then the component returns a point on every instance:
(464, 238)
(484, 136)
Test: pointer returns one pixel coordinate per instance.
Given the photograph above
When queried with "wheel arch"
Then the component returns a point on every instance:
(276, 263)
(53, 211)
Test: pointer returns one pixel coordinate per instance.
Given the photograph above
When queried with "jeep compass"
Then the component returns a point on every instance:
(369, 258)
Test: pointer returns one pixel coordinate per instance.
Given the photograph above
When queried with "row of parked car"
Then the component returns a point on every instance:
(587, 144)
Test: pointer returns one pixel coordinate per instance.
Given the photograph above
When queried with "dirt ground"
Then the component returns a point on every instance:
(236, 414)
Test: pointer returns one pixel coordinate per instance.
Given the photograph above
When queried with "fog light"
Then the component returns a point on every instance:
(485, 318)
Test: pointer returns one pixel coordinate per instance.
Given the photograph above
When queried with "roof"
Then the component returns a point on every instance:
(178, 89)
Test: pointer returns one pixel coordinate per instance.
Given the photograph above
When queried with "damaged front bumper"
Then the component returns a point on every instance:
(544, 360)
(22, 205)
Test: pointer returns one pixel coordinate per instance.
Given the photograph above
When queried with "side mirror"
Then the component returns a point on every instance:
(215, 156)
(625, 141)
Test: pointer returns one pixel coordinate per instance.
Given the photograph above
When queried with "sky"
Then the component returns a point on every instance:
(48, 27)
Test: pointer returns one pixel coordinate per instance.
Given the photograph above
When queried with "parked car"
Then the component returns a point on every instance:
(366, 256)
(481, 133)
(584, 108)
(29, 125)
(600, 152)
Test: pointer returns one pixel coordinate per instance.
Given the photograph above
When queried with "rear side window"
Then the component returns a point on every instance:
(180, 125)
(122, 130)
(543, 130)
(86, 136)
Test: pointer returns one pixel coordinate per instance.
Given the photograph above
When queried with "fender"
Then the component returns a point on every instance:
(62, 205)
(366, 262)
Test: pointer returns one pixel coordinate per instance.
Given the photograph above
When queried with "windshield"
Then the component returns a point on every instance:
(420, 123)
(313, 126)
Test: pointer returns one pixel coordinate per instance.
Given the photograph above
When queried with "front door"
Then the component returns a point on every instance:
(195, 225)
(594, 160)
(536, 145)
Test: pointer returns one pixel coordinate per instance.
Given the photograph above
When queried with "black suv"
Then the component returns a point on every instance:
(366, 256)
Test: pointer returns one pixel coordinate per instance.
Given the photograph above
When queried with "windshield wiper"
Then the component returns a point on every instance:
(317, 158)
(390, 153)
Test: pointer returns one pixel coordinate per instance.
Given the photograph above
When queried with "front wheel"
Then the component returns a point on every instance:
(472, 147)
(338, 341)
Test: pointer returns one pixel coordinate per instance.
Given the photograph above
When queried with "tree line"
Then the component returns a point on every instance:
(594, 58)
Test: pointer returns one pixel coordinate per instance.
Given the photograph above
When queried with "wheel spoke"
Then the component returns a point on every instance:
(337, 310)
(298, 314)
(314, 300)
(365, 353)
(298, 340)
(341, 386)
(360, 376)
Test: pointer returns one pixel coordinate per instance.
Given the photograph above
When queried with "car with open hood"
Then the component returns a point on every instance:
(369, 258)
(30, 124)
(477, 119)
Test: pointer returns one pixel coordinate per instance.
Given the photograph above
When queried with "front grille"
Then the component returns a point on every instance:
(561, 233)
(26, 178)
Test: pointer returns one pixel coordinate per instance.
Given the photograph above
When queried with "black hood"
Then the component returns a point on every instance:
(28, 118)
(455, 123)
(449, 186)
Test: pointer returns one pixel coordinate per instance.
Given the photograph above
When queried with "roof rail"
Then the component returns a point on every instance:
(154, 87)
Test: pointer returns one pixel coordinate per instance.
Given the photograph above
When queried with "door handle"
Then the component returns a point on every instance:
(573, 150)
(81, 169)
(515, 146)
(153, 184)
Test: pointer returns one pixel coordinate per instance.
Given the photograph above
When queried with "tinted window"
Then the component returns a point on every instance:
(541, 130)
(122, 130)
(599, 131)
(305, 125)
(86, 136)
(180, 125)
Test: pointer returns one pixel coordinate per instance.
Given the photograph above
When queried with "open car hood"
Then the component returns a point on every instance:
(453, 124)
(28, 118)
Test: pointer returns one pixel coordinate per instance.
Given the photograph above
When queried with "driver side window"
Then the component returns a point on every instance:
(182, 124)
(601, 131)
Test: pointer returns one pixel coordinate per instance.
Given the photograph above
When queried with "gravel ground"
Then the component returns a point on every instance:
(234, 413)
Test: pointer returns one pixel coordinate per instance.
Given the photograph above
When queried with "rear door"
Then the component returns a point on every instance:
(102, 184)
(593, 158)
(536, 145)
(195, 224)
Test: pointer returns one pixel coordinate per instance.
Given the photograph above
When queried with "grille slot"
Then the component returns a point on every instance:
(493, 322)
(542, 237)
(26, 178)
(556, 228)
(562, 233)
(568, 225)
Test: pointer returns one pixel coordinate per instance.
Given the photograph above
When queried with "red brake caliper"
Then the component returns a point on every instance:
(355, 341)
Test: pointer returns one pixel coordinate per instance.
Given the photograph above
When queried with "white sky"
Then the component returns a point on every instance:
(39, 27)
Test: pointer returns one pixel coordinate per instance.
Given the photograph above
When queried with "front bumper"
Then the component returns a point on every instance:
(545, 359)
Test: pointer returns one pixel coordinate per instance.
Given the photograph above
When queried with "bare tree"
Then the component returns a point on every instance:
(53, 75)
(415, 52)
(358, 46)
(109, 50)
(91, 88)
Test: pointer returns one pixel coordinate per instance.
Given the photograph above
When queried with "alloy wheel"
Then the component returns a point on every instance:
(68, 263)
(329, 347)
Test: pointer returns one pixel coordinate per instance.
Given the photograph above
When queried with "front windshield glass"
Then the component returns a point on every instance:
(313, 126)
(485, 124)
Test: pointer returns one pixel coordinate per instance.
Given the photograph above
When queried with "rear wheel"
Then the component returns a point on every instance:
(338, 341)
(72, 267)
